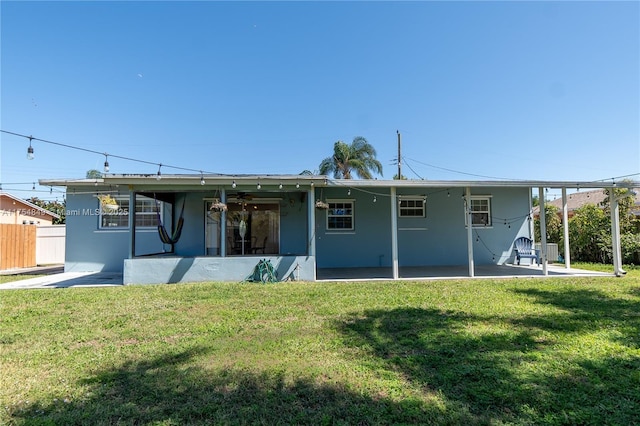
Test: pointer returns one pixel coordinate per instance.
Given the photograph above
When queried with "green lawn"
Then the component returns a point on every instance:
(522, 351)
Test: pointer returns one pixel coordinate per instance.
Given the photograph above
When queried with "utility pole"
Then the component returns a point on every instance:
(399, 158)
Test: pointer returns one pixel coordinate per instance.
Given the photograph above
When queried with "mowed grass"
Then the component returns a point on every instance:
(522, 351)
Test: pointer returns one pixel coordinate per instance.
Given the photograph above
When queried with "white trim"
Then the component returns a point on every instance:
(121, 212)
(352, 216)
(469, 217)
(422, 198)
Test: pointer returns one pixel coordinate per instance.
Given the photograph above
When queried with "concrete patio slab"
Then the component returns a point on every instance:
(452, 272)
(110, 279)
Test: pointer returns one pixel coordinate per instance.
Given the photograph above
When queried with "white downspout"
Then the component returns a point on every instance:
(543, 232)
(467, 207)
(565, 229)
(394, 234)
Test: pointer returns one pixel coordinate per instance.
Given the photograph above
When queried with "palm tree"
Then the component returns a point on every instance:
(358, 158)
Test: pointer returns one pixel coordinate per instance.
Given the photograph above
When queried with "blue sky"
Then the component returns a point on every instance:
(516, 90)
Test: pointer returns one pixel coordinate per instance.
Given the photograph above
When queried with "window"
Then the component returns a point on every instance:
(480, 208)
(340, 215)
(146, 213)
(412, 207)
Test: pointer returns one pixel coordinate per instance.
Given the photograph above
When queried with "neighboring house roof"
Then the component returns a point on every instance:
(27, 206)
(597, 197)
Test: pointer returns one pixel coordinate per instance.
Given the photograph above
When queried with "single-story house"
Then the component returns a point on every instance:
(15, 211)
(218, 227)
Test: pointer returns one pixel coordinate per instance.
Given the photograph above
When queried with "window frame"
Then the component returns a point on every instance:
(486, 212)
(125, 211)
(403, 209)
(329, 216)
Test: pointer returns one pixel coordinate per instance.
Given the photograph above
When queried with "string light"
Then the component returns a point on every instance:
(106, 163)
(233, 184)
(259, 186)
(202, 182)
(30, 154)
(349, 191)
(280, 186)
(159, 175)
(375, 199)
(297, 185)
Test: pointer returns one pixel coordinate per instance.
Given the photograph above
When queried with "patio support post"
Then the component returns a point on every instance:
(543, 232)
(615, 235)
(311, 233)
(394, 233)
(467, 207)
(565, 229)
(223, 224)
(132, 224)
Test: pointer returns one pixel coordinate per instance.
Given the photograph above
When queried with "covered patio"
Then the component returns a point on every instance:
(455, 272)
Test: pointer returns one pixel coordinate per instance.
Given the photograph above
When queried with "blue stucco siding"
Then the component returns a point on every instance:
(439, 238)
(90, 248)
(368, 244)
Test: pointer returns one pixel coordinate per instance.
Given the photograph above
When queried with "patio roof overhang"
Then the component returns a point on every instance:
(322, 180)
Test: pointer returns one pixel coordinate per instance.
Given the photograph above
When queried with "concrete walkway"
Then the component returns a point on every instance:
(66, 280)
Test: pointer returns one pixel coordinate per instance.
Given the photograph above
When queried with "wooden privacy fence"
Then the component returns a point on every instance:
(17, 246)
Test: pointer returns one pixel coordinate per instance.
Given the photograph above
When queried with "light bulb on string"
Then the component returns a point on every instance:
(375, 199)
(280, 186)
(106, 163)
(159, 175)
(297, 185)
(259, 186)
(30, 154)
(202, 182)
(349, 191)
(233, 184)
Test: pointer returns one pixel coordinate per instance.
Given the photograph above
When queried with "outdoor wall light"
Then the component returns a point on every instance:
(30, 154)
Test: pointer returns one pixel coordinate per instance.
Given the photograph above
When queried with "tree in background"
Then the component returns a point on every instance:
(552, 222)
(52, 206)
(94, 174)
(358, 158)
(626, 201)
(590, 235)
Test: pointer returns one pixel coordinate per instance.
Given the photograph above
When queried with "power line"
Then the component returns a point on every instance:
(457, 171)
(105, 154)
